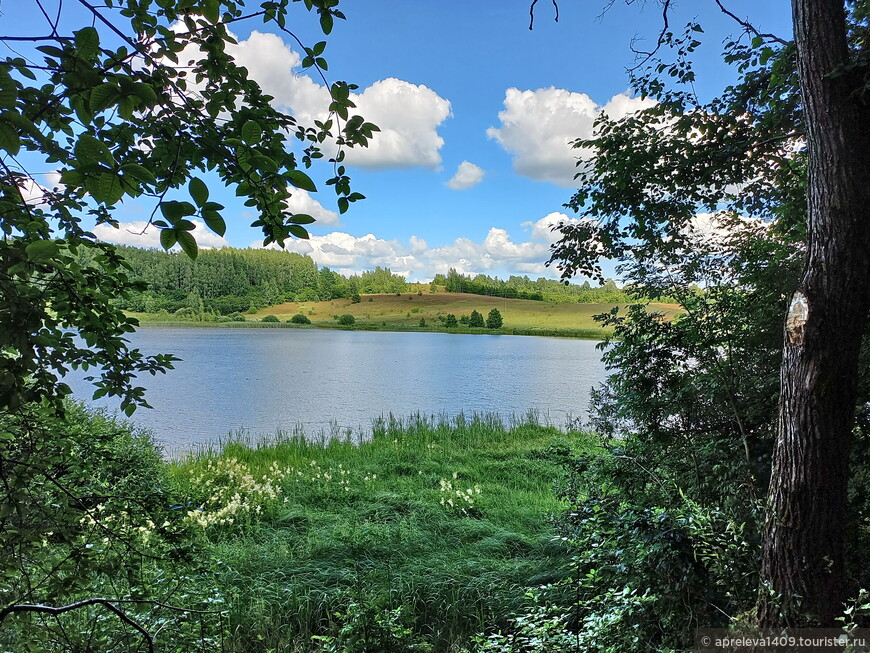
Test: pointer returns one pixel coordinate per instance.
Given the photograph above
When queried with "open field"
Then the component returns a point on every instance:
(402, 312)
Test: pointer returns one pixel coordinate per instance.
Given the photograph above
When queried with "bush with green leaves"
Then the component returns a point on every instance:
(366, 625)
(450, 321)
(346, 319)
(270, 318)
(86, 511)
(299, 318)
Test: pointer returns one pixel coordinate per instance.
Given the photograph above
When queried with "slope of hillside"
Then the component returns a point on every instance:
(405, 311)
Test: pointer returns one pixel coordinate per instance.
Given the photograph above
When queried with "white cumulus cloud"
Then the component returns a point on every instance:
(467, 175)
(302, 202)
(498, 253)
(538, 127)
(407, 114)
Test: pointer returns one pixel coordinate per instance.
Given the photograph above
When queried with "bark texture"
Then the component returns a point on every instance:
(803, 549)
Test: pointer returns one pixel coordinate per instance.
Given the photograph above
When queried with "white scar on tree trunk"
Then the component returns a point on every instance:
(798, 312)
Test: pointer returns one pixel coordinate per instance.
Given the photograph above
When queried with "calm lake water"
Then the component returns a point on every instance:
(264, 380)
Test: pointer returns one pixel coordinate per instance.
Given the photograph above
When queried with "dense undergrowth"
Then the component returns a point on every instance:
(444, 522)
(413, 541)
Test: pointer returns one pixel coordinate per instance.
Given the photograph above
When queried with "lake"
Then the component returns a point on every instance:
(260, 381)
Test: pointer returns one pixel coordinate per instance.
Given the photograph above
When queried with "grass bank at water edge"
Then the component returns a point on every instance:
(434, 529)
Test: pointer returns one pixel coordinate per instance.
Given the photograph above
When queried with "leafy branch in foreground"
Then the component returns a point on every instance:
(140, 104)
(144, 102)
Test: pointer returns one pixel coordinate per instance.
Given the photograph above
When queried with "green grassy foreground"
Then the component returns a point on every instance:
(445, 522)
(403, 313)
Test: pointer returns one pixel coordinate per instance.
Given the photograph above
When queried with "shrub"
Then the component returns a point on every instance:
(86, 509)
(300, 319)
(355, 298)
(186, 312)
(347, 319)
(270, 318)
(494, 319)
(236, 317)
(476, 320)
(450, 320)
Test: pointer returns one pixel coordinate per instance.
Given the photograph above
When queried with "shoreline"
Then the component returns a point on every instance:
(581, 334)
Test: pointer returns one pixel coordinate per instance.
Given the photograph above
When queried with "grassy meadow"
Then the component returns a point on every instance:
(419, 538)
(403, 312)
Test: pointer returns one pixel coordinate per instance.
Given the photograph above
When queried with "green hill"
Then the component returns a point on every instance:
(404, 312)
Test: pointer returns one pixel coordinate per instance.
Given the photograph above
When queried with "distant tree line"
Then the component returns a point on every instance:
(227, 281)
(540, 289)
(231, 280)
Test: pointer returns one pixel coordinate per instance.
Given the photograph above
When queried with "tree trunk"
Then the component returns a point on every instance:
(802, 581)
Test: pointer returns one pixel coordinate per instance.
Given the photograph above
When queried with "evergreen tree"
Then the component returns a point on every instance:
(494, 319)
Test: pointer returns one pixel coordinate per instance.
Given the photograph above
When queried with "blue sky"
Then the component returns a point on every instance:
(472, 164)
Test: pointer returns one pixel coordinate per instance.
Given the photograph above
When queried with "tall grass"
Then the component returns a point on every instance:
(446, 518)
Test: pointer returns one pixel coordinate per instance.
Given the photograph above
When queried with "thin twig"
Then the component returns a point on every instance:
(749, 27)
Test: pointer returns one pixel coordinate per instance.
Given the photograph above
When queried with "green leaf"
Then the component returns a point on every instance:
(41, 251)
(89, 150)
(252, 133)
(301, 180)
(51, 51)
(9, 139)
(184, 225)
(87, 42)
(103, 96)
(299, 232)
(174, 211)
(110, 188)
(73, 178)
(211, 11)
(301, 218)
(198, 191)
(215, 222)
(326, 22)
(8, 90)
(146, 93)
(127, 107)
(138, 172)
(168, 238)
(188, 244)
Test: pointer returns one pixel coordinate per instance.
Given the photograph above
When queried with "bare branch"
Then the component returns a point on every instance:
(532, 13)
(666, 6)
(47, 609)
(749, 27)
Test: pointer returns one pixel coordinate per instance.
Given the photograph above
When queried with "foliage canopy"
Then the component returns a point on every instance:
(142, 103)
